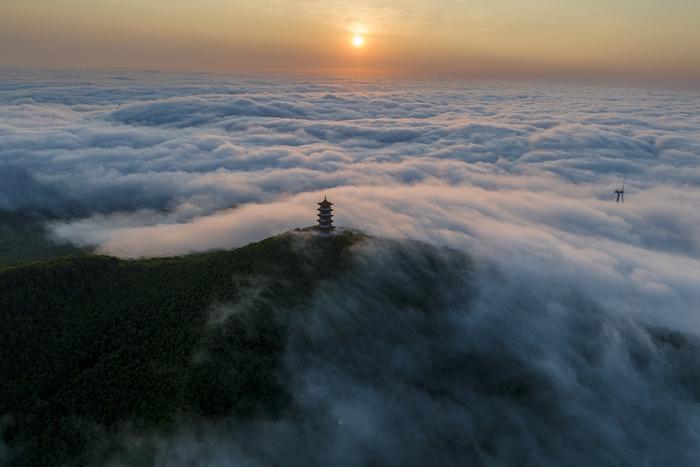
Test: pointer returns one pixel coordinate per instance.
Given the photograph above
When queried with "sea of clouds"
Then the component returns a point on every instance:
(519, 176)
(150, 165)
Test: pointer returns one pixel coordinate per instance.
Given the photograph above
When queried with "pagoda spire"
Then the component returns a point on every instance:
(325, 216)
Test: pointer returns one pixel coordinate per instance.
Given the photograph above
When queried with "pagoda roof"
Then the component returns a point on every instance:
(325, 203)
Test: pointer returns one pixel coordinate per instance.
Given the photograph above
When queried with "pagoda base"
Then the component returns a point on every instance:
(325, 232)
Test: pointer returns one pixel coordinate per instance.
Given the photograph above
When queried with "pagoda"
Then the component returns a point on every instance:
(325, 216)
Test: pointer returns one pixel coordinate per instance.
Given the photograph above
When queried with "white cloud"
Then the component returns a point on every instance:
(522, 177)
(209, 162)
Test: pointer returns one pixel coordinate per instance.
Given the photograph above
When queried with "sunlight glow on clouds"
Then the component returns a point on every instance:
(129, 161)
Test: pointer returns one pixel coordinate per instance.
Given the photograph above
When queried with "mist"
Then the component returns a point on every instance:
(508, 312)
(421, 355)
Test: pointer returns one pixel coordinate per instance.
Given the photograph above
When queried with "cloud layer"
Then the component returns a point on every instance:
(151, 164)
(521, 177)
(419, 356)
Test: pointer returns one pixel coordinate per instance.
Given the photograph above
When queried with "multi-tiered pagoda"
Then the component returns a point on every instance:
(325, 216)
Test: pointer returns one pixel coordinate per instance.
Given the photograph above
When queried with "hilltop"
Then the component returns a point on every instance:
(94, 340)
(94, 345)
(325, 350)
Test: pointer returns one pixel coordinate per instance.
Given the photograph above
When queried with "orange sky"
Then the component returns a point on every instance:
(455, 38)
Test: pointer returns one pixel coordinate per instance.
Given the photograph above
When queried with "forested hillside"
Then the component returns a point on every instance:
(92, 341)
(24, 240)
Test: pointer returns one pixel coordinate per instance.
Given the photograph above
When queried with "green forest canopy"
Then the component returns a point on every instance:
(93, 340)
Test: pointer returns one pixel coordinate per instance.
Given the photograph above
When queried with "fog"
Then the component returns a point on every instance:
(560, 328)
(423, 356)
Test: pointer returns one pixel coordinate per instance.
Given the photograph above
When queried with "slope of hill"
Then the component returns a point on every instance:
(23, 240)
(92, 340)
(342, 350)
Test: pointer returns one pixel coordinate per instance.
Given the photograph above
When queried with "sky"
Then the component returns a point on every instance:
(650, 39)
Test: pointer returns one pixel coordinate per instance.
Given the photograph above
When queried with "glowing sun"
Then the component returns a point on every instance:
(358, 41)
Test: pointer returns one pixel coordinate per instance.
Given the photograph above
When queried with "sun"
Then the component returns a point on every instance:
(358, 41)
